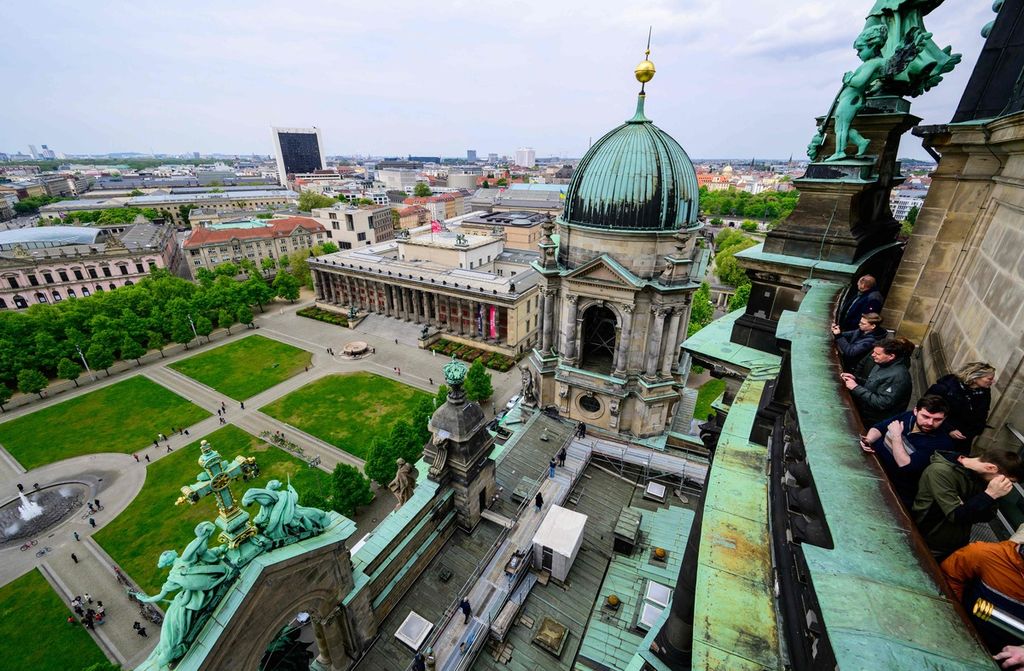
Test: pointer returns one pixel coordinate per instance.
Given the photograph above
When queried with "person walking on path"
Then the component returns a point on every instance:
(87, 597)
(92, 522)
(142, 632)
(168, 449)
(538, 501)
(242, 403)
(74, 557)
(136, 457)
(466, 609)
(147, 458)
(75, 533)
(551, 468)
(561, 457)
(97, 502)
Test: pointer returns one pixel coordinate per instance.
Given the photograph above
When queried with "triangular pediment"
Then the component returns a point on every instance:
(605, 270)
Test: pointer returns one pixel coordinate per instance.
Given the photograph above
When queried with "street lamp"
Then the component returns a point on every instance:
(193, 325)
(85, 363)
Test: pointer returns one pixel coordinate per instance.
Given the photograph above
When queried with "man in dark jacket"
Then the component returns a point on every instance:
(905, 444)
(854, 345)
(886, 389)
(867, 299)
(956, 492)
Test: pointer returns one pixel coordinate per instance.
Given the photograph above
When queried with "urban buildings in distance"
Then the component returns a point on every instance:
(298, 150)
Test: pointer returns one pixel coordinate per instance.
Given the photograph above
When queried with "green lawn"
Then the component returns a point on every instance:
(123, 417)
(708, 392)
(152, 523)
(34, 633)
(245, 367)
(347, 411)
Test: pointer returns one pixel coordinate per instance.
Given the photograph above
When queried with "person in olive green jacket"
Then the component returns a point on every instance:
(956, 492)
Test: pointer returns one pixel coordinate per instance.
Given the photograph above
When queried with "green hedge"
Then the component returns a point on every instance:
(469, 354)
(323, 316)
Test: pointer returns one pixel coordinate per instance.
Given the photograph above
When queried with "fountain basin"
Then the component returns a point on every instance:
(36, 511)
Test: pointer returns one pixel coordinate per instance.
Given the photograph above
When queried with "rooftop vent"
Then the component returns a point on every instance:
(655, 491)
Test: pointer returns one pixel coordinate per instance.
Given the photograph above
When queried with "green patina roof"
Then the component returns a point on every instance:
(881, 607)
(637, 178)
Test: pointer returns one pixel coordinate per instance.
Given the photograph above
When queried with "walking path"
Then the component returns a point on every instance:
(116, 478)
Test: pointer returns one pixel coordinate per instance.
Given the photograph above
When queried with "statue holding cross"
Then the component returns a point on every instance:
(215, 479)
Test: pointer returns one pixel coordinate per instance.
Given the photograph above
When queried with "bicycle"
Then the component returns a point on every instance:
(29, 544)
(46, 550)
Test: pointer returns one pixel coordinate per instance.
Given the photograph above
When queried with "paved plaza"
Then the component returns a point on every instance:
(116, 478)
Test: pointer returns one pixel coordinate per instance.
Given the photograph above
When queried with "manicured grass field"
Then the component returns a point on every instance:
(707, 393)
(123, 417)
(34, 633)
(152, 523)
(245, 367)
(347, 411)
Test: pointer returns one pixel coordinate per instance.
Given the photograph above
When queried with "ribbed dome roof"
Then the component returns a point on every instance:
(635, 178)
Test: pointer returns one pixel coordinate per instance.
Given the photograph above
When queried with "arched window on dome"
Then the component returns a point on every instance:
(598, 340)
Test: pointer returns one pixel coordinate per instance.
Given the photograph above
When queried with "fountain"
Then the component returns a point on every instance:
(28, 509)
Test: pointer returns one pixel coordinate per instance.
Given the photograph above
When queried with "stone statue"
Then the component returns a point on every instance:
(404, 483)
(280, 515)
(917, 63)
(856, 84)
(352, 312)
(527, 390)
(194, 576)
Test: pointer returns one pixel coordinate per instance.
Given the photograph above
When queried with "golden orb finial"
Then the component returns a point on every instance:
(645, 71)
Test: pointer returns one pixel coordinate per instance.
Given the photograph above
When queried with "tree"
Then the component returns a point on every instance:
(31, 381)
(717, 221)
(131, 349)
(204, 326)
(284, 262)
(5, 395)
(350, 489)
(501, 182)
(749, 226)
(268, 264)
(702, 311)
(309, 200)
(181, 331)
(325, 248)
(298, 266)
(101, 356)
(421, 190)
(380, 461)
(226, 269)
(442, 396)
(224, 319)
(907, 225)
(405, 442)
(184, 211)
(157, 342)
(478, 382)
(421, 420)
(69, 370)
(135, 192)
(256, 292)
(740, 298)
(245, 315)
(485, 184)
(286, 286)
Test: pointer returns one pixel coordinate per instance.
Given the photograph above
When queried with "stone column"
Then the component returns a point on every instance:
(406, 304)
(426, 306)
(673, 332)
(387, 299)
(569, 329)
(324, 658)
(625, 335)
(549, 321)
(460, 310)
(654, 338)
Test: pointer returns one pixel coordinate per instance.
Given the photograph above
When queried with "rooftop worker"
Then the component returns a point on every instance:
(854, 345)
(956, 492)
(885, 390)
(905, 444)
(867, 299)
(969, 395)
(994, 572)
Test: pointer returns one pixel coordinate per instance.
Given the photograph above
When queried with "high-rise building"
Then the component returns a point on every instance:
(298, 150)
(47, 153)
(471, 154)
(492, 159)
(526, 157)
(32, 151)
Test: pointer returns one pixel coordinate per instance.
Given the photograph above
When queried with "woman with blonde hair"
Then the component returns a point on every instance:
(969, 395)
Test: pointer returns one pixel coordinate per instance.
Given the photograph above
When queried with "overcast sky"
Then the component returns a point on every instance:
(735, 79)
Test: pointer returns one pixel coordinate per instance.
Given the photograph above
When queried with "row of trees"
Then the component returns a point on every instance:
(728, 242)
(771, 205)
(32, 205)
(50, 340)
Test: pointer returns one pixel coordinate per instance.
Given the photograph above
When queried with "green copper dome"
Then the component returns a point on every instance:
(635, 178)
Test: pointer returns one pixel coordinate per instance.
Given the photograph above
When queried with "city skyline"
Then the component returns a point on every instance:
(732, 80)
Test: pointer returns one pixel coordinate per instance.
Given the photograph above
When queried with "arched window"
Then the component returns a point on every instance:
(71, 293)
(112, 286)
(20, 302)
(598, 340)
(56, 296)
(85, 291)
(41, 298)
(99, 287)
(128, 283)
(3, 304)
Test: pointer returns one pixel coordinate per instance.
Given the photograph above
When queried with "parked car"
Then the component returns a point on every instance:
(512, 402)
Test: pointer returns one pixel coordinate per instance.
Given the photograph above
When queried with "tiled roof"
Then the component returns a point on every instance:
(276, 228)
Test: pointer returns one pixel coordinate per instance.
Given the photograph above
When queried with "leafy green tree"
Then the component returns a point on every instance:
(205, 277)
(135, 192)
(907, 225)
(181, 331)
(442, 396)
(286, 286)
(204, 326)
(245, 315)
(31, 381)
(5, 395)
(501, 182)
(224, 319)
(184, 212)
(131, 349)
(100, 356)
(740, 298)
(325, 248)
(702, 311)
(157, 341)
(227, 269)
(258, 293)
(485, 184)
(717, 221)
(309, 200)
(268, 264)
(349, 489)
(405, 442)
(298, 266)
(749, 226)
(284, 261)
(478, 382)
(380, 461)
(421, 190)
(248, 266)
(69, 370)
(421, 418)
